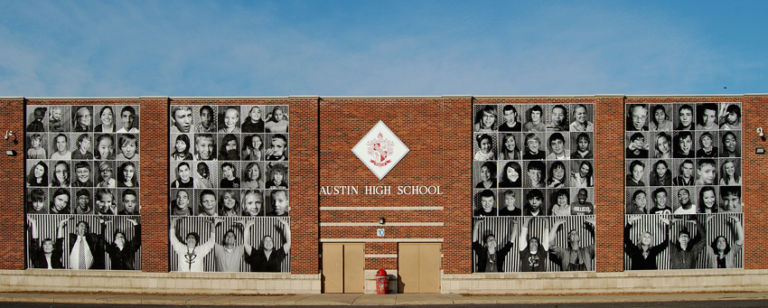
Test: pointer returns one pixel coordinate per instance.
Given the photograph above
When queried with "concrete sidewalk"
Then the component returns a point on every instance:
(362, 300)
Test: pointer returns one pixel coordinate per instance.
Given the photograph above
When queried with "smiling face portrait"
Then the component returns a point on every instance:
(61, 143)
(637, 117)
(252, 203)
(485, 118)
(107, 119)
(230, 120)
(730, 144)
(205, 147)
(580, 115)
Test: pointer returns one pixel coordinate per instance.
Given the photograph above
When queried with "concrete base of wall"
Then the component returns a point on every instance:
(283, 283)
(668, 281)
(157, 283)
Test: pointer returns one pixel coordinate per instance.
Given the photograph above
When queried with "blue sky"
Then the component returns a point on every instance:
(339, 48)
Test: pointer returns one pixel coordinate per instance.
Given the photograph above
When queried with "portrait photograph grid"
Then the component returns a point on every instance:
(82, 186)
(230, 161)
(683, 170)
(532, 161)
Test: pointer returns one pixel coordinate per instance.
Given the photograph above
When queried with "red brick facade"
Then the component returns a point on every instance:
(12, 179)
(438, 132)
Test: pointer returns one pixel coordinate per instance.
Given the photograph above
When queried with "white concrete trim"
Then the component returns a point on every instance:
(381, 208)
(376, 224)
(381, 240)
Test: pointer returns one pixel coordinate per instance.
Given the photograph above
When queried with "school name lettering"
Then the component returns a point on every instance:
(379, 190)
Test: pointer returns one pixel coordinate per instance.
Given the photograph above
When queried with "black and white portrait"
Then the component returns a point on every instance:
(535, 162)
(229, 164)
(82, 186)
(685, 188)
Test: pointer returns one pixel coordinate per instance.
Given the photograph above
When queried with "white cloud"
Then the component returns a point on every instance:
(154, 48)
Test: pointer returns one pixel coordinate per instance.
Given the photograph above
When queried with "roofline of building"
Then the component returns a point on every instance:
(374, 96)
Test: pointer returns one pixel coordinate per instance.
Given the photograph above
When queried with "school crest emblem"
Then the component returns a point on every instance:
(380, 150)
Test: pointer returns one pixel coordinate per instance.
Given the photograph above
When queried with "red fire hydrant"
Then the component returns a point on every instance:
(382, 281)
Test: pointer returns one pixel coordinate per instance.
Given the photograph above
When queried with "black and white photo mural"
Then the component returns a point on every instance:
(683, 186)
(533, 179)
(82, 187)
(229, 186)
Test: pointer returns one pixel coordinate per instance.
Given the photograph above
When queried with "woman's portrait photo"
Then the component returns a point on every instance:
(105, 120)
(731, 143)
(661, 117)
(581, 146)
(510, 148)
(486, 117)
(82, 119)
(181, 147)
(229, 120)
(254, 119)
(511, 175)
(485, 147)
(581, 118)
(486, 175)
(277, 119)
(37, 173)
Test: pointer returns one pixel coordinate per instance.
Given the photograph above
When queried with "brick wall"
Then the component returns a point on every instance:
(609, 183)
(755, 194)
(12, 183)
(438, 132)
(154, 184)
(304, 173)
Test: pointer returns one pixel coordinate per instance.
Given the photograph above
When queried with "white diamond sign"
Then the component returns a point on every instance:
(380, 150)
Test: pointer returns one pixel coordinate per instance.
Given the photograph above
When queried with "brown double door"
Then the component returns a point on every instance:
(343, 267)
(418, 267)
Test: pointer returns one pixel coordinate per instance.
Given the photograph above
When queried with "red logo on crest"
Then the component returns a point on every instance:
(380, 150)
